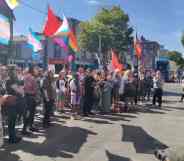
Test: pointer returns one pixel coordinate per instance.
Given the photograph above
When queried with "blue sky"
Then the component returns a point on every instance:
(159, 20)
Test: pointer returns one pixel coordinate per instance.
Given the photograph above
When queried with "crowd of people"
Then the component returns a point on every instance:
(83, 93)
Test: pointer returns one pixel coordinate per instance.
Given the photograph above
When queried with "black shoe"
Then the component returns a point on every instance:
(15, 141)
(85, 115)
(26, 133)
(33, 129)
(91, 113)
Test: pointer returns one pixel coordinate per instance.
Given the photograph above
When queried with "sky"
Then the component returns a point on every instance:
(158, 20)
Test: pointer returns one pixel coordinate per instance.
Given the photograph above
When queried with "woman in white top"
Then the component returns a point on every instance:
(75, 95)
(61, 89)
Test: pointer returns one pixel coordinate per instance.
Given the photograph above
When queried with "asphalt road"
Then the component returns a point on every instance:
(119, 137)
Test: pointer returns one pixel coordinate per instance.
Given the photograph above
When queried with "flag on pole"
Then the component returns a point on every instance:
(64, 28)
(138, 47)
(62, 42)
(34, 41)
(73, 42)
(52, 24)
(12, 4)
(116, 65)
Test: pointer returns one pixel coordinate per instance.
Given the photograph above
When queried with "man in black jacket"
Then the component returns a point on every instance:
(89, 84)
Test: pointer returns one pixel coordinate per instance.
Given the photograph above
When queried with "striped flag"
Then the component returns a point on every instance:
(73, 43)
(34, 41)
(62, 43)
(64, 28)
(12, 3)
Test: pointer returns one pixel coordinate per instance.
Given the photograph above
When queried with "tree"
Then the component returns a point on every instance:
(182, 39)
(109, 25)
(177, 58)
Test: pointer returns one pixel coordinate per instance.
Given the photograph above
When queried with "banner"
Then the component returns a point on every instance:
(4, 30)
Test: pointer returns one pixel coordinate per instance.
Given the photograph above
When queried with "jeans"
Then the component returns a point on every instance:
(88, 104)
(157, 96)
(29, 113)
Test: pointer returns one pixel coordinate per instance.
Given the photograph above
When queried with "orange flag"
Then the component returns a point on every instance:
(138, 47)
(115, 62)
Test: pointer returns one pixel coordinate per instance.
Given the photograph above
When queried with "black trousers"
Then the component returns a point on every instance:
(12, 116)
(29, 113)
(48, 105)
(148, 93)
(88, 104)
(157, 96)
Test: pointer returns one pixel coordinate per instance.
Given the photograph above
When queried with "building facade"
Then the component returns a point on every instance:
(150, 53)
(5, 50)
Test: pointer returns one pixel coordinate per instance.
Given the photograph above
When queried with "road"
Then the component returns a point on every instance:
(119, 137)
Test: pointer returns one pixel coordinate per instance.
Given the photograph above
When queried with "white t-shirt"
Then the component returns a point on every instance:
(62, 85)
(73, 87)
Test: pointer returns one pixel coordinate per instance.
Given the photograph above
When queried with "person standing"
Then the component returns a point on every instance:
(106, 94)
(49, 97)
(89, 86)
(11, 104)
(30, 90)
(60, 90)
(75, 96)
(157, 89)
(148, 85)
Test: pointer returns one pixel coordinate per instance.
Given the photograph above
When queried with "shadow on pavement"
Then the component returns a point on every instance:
(112, 117)
(142, 141)
(97, 121)
(112, 157)
(60, 141)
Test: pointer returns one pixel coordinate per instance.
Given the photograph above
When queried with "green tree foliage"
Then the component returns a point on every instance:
(109, 25)
(177, 58)
(182, 39)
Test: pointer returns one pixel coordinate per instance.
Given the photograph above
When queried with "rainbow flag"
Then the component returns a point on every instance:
(34, 41)
(12, 4)
(73, 42)
(64, 28)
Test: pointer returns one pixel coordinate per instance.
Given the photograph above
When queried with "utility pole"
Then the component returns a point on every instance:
(10, 46)
(45, 56)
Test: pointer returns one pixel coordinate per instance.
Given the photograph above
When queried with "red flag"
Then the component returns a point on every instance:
(115, 62)
(138, 47)
(52, 24)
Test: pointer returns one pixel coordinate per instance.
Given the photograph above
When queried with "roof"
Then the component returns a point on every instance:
(5, 10)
